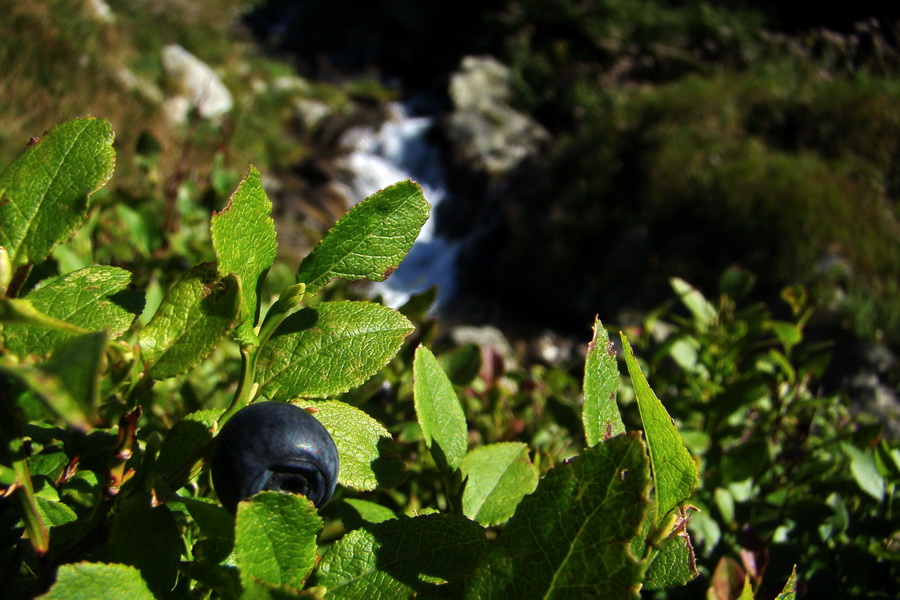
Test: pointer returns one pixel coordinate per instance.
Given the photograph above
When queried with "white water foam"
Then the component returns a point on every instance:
(400, 150)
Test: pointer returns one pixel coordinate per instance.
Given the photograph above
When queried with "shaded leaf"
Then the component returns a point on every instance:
(462, 364)
(261, 590)
(573, 533)
(214, 521)
(370, 241)
(78, 364)
(54, 513)
(865, 472)
(225, 580)
(396, 557)
(701, 309)
(68, 383)
(44, 193)
(148, 538)
(182, 444)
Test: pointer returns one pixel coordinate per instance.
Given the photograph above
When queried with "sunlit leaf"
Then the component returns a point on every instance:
(438, 410)
(44, 193)
(675, 474)
(329, 349)
(243, 236)
(600, 414)
(194, 316)
(370, 241)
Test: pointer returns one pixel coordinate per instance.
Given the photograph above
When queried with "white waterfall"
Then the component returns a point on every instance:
(400, 150)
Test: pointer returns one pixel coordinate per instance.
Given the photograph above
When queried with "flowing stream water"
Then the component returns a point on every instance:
(400, 149)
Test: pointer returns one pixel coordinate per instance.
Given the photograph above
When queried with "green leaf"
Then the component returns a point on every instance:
(462, 364)
(275, 539)
(260, 590)
(44, 192)
(214, 521)
(360, 511)
(438, 410)
(573, 533)
(97, 581)
(54, 512)
(194, 316)
(789, 592)
(6, 270)
(366, 451)
(747, 590)
(370, 241)
(497, 476)
(394, 558)
(789, 334)
(68, 383)
(181, 446)
(243, 237)
(50, 462)
(865, 472)
(20, 311)
(887, 461)
(148, 538)
(673, 565)
(329, 349)
(78, 364)
(92, 299)
(675, 474)
(701, 309)
(224, 580)
(601, 416)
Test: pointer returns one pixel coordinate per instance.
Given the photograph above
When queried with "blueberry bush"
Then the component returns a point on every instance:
(791, 474)
(117, 390)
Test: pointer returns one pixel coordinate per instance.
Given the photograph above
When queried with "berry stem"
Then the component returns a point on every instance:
(290, 298)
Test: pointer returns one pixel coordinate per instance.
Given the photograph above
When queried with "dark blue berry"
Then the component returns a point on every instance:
(273, 446)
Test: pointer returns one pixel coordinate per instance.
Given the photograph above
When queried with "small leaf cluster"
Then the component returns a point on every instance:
(105, 490)
(790, 474)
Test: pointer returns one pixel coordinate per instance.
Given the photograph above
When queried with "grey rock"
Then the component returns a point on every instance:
(485, 132)
(195, 81)
(870, 390)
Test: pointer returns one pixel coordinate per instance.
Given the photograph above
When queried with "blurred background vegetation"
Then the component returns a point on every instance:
(686, 137)
(749, 148)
